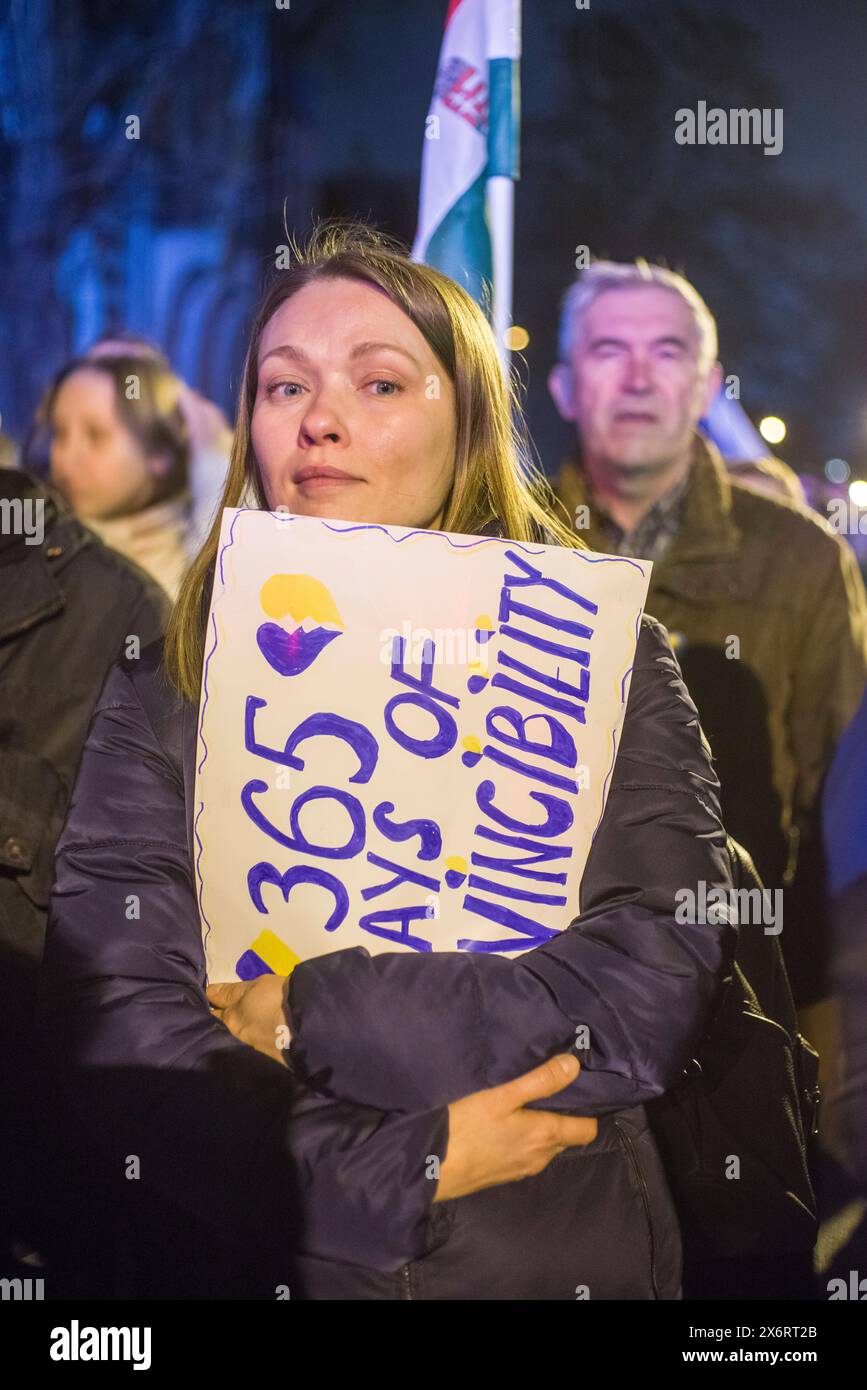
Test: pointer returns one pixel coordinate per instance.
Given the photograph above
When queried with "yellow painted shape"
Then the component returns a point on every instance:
(275, 953)
(484, 624)
(301, 596)
(457, 861)
(471, 743)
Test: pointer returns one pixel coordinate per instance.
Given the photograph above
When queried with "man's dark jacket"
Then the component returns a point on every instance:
(68, 606)
(332, 1155)
(767, 613)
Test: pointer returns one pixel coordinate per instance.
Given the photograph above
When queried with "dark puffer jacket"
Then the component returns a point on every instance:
(340, 1140)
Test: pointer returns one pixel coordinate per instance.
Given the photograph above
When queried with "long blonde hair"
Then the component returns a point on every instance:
(496, 477)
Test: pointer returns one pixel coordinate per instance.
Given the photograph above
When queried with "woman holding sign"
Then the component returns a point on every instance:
(384, 1084)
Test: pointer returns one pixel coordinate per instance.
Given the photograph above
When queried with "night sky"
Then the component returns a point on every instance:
(814, 54)
(321, 107)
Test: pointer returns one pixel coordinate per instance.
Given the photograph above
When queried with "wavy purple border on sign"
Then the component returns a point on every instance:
(441, 535)
(628, 673)
(223, 549)
(205, 695)
(374, 526)
(607, 560)
(604, 785)
(231, 540)
(613, 560)
(199, 874)
(201, 734)
(201, 765)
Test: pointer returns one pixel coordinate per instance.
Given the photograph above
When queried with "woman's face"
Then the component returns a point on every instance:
(354, 416)
(96, 462)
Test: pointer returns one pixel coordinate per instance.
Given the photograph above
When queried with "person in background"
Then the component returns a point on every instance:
(119, 453)
(765, 606)
(843, 1235)
(209, 434)
(8, 452)
(69, 607)
(845, 830)
(209, 431)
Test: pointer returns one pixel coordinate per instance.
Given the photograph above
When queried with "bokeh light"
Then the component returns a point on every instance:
(516, 338)
(858, 492)
(773, 429)
(837, 471)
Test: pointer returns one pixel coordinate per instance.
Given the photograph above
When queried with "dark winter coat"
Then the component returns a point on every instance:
(333, 1152)
(768, 616)
(67, 607)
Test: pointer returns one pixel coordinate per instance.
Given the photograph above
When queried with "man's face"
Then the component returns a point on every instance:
(635, 386)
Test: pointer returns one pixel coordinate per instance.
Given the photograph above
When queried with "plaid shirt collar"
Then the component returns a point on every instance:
(707, 529)
(653, 535)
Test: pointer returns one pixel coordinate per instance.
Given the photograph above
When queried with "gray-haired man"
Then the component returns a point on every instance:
(765, 604)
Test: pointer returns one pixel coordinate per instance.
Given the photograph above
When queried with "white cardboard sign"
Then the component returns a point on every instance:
(405, 738)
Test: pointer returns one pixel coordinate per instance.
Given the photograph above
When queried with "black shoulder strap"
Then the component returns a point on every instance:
(758, 952)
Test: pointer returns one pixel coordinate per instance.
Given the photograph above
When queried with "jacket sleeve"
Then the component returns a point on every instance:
(418, 1030)
(159, 1077)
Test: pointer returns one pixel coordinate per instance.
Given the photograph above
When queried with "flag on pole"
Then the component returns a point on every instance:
(470, 157)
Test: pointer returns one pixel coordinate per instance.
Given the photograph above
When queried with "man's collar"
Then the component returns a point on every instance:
(656, 514)
(707, 530)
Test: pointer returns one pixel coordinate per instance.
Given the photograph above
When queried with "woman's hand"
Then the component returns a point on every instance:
(492, 1139)
(253, 1011)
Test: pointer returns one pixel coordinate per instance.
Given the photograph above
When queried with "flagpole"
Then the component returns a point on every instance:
(501, 208)
(504, 56)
